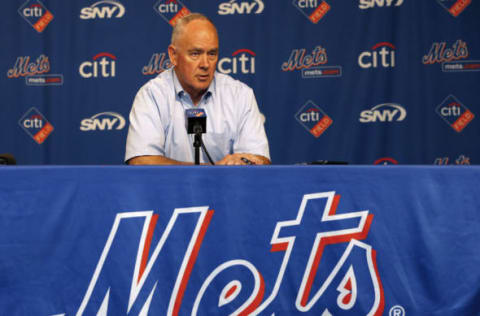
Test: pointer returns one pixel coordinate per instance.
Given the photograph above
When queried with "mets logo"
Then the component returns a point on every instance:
(36, 14)
(455, 7)
(24, 68)
(159, 62)
(313, 10)
(454, 113)
(450, 57)
(348, 279)
(36, 125)
(171, 10)
(461, 160)
(311, 65)
(34, 71)
(312, 117)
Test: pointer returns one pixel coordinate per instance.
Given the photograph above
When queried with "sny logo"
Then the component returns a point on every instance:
(104, 9)
(455, 7)
(385, 112)
(369, 59)
(171, 10)
(348, 283)
(106, 61)
(367, 4)
(158, 63)
(243, 61)
(314, 10)
(103, 121)
(36, 125)
(313, 119)
(36, 14)
(245, 7)
(454, 113)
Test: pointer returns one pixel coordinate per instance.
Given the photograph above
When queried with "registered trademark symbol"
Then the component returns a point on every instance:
(396, 310)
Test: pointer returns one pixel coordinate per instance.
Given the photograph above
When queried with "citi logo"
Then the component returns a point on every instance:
(36, 14)
(168, 6)
(103, 121)
(103, 65)
(453, 109)
(385, 112)
(34, 10)
(34, 121)
(381, 55)
(314, 10)
(245, 7)
(455, 7)
(171, 10)
(307, 4)
(36, 125)
(454, 113)
(386, 161)
(313, 119)
(243, 61)
(310, 115)
(105, 9)
(368, 4)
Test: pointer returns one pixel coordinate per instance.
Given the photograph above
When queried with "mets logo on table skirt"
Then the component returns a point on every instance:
(317, 264)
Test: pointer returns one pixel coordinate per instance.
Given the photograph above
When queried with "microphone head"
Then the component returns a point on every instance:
(196, 121)
(7, 159)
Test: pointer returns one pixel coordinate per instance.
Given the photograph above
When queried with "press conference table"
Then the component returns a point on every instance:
(266, 240)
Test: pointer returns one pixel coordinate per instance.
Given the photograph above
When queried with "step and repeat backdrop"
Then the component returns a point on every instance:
(361, 81)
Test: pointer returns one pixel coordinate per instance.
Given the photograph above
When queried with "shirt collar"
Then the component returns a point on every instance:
(179, 89)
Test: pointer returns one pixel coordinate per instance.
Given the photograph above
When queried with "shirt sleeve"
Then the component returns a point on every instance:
(146, 133)
(251, 138)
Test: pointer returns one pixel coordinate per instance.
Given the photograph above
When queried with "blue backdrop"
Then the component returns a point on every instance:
(364, 81)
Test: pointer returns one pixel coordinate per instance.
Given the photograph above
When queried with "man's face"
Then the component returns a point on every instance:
(195, 56)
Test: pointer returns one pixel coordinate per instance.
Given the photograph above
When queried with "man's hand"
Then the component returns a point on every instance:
(248, 159)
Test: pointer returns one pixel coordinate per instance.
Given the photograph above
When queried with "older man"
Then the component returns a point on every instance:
(157, 134)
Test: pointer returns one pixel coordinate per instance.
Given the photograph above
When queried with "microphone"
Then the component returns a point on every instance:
(196, 121)
(7, 159)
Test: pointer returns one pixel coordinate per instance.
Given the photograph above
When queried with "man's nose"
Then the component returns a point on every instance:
(204, 62)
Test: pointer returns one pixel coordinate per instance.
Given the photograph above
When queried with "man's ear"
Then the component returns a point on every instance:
(172, 54)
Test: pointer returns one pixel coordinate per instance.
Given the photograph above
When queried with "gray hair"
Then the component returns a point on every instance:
(181, 23)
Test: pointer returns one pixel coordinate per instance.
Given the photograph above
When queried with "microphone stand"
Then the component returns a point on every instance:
(197, 142)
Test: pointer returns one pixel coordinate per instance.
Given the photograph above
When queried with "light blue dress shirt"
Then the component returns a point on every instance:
(157, 120)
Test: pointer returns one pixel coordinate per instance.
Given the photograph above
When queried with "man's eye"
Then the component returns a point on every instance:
(195, 54)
